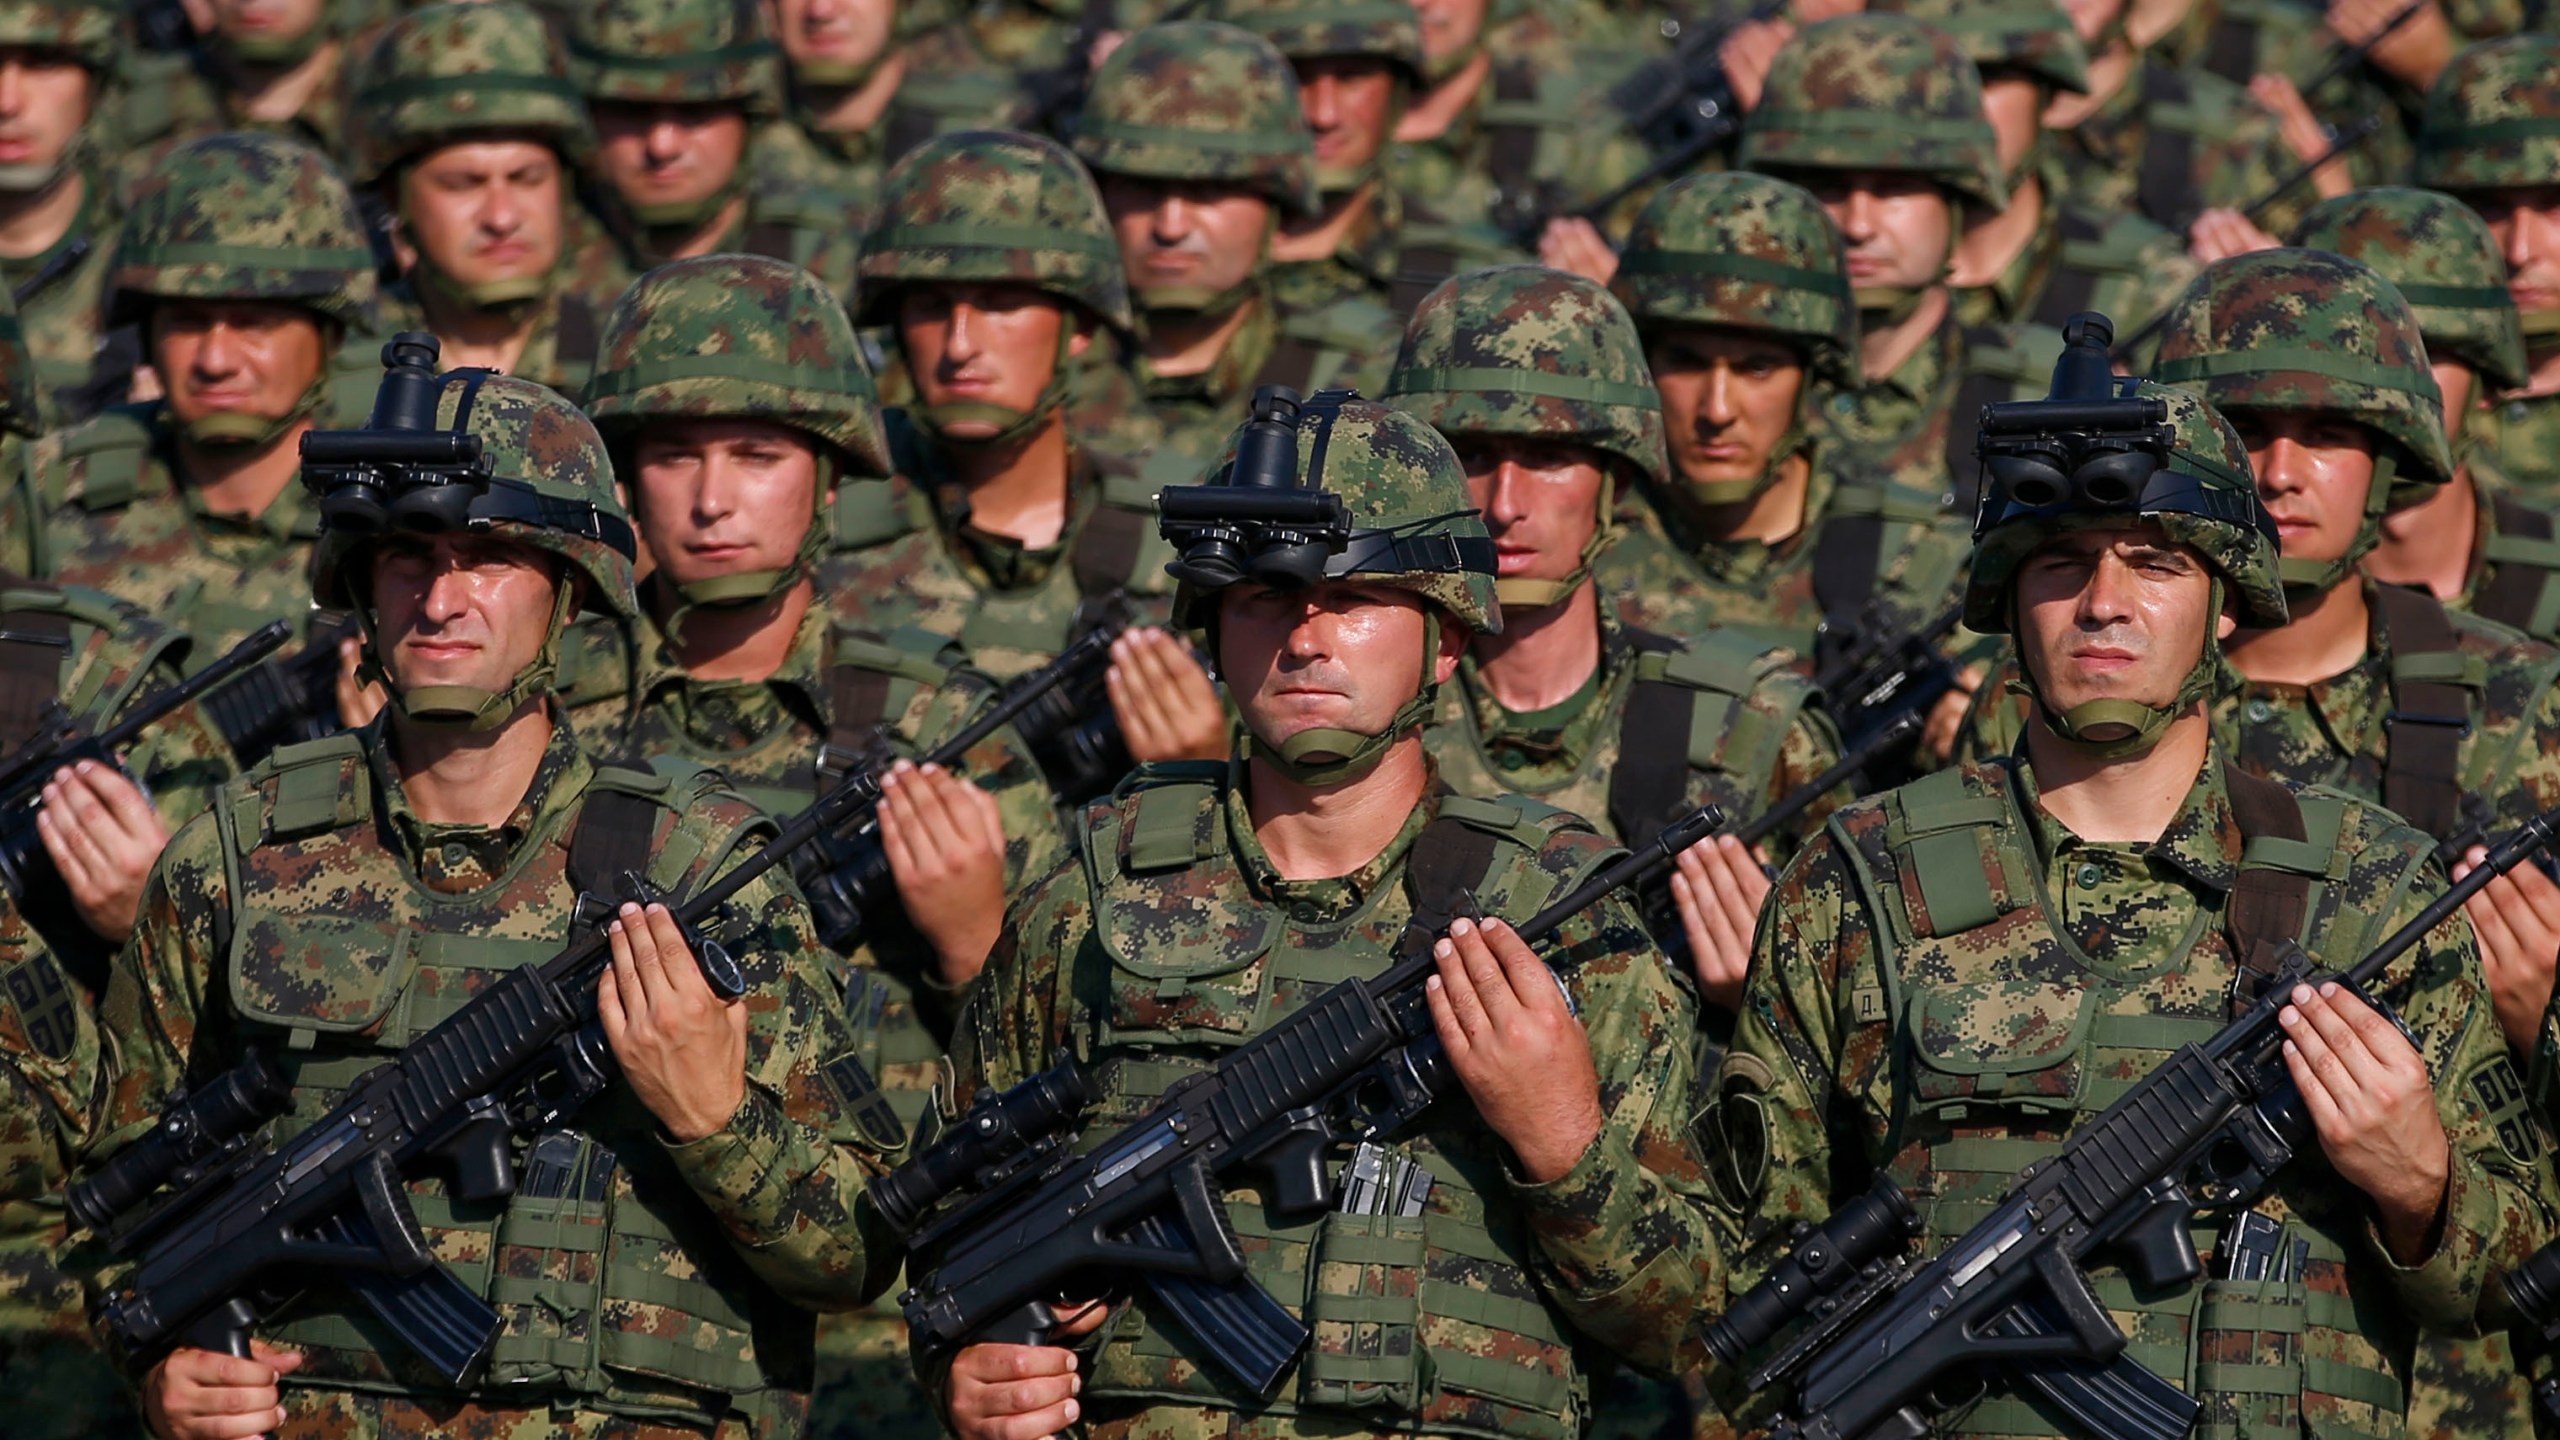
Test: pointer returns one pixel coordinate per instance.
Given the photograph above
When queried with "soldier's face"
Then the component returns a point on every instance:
(669, 154)
(723, 497)
(2013, 102)
(276, 20)
(485, 210)
(2314, 472)
(836, 35)
(44, 102)
(1728, 398)
(460, 609)
(1898, 224)
(1186, 235)
(2457, 382)
(1540, 498)
(1350, 104)
(988, 344)
(248, 357)
(1449, 26)
(2113, 615)
(1336, 654)
(2526, 223)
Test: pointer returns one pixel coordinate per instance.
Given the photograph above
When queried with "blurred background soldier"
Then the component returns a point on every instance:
(852, 100)
(278, 66)
(58, 204)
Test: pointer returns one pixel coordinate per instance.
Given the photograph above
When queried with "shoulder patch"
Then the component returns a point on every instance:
(48, 1014)
(2500, 1094)
(862, 1099)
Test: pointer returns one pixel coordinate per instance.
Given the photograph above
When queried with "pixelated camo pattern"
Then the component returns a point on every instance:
(2438, 253)
(1876, 92)
(1200, 100)
(457, 69)
(1746, 251)
(245, 216)
(994, 205)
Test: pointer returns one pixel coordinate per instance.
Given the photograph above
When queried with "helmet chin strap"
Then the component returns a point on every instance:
(1798, 435)
(2306, 579)
(468, 709)
(235, 430)
(2117, 729)
(1330, 756)
(754, 587)
(1523, 593)
(514, 292)
(1011, 424)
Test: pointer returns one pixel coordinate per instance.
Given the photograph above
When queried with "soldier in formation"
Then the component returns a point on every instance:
(59, 205)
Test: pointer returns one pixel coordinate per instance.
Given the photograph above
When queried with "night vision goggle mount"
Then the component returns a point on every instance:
(401, 472)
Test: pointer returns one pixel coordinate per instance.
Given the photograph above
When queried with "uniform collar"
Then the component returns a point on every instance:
(452, 859)
(800, 684)
(2201, 842)
(1335, 898)
(1227, 376)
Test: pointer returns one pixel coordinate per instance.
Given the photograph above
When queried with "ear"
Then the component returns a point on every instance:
(1454, 635)
(2227, 623)
(1081, 341)
(200, 16)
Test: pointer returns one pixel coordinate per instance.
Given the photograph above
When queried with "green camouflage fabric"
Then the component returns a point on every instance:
(2035, 40)
(1390, 257)
(454, 70)
(2161, 115)
(2492, 120)
(1876, 92)
(990, 205)
(1743, 252)
(1872, 1043)
(1107, 407)
(1898, 429)
(1200, 100)
(2442, 259)
(675, 52)
(2520, 434)
(50, 1048)
(1349, 342)
(1323, 29)
(80, 365)
(90, 31)
(244, 217)
(2238, 39)
(738, 337)
(1150, 976)
(164, 102)
(1522, 350)
(2081, 258)
(722, 1246)
(2514, 579)
(557, 352)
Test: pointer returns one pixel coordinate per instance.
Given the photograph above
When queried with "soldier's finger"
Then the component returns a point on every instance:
(2333, 1012)
(2537, 891)
(1459, 1010)
(1037, 1425)
(985, 818)
(1493, 984)
(897, 835)
(214, 1402)
(629, 988)
(2381, 1040)
(69, 847)
(2314, 1047)
(2325, 1114)
(934, 808)
(1529, 978)
(235, 1427)
(1024, 1397)
(677, 964)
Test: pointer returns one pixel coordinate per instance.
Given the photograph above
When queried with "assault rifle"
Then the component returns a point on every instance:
(285, 701)
(1359, 1061)
(2534, 1286)
(1889, 1342)
(1886, 672)
(1680, 106)
(26, 868)
(245, 1225)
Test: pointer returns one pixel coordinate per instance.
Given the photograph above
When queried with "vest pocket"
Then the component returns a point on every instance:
(2011, 1046)
(547, 1263)
(661, 1317)
(1364, 1312)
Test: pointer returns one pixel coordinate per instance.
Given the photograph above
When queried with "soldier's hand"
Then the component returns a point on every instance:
(358, 700)
(1018, 1392)
(2220, 234)
(1718, 886)
(1746, 54)
(945, 841)
(683, 1049)
(2517, 917)
(103, 836)
(1515, 1045)
(1573, 244)
(202, 1395)
(2416, 51)
(2303, 134)
(1945, 725)
(2370, 1099)
(1167, 705)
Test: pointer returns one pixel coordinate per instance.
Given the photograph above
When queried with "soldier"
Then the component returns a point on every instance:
(1741, 288)
(849, 109)
(677, 89)
(2491, 138)
(992, 267)
(2473, 542)
(277, 68)
(1880, 116)
(244, 267)
(1195, 132)
(468, 127)
(58, 206)
(2045, 257)
(1303, 861)
(747, 670)
(1955, 975)
(721, 1173)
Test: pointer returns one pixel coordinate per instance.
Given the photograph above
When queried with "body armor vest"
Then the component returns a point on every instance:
(2007, 1035)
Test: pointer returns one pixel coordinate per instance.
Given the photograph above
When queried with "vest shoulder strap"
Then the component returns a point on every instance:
(2433, 689)
(872, 676)
(1167, 815)
(35, 641)
(313, 786)
(2165, 185)
(1107, 546)
(865, 513)
(576, 334)
(2523, 560)
(2270, 900)
(105, 459)
(1944, 839)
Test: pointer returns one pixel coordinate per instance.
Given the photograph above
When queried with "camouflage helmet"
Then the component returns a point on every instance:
(2237, 542)
(1876, 92)
(1199, 100)
(739, 337)
(675, 52)
(451, 71)
(244, 217)
(1321, 29)
(1744, 252)
(2031, 36)
(2492, 120)
(2441, 257)
(89, 31)
(994, 205)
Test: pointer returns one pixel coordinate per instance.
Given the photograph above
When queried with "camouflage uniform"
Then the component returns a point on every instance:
(453, 73)
(1889, 93)
(77, 368)
(1948, 982)
(1499, 1280)
(2240, 39)
(2493, 124)
(1205, 102)
(2172, 142)
(51, 970)
(697, 52)
(108, 506)
(715, 1246)
(1747, 252)
(166, 102)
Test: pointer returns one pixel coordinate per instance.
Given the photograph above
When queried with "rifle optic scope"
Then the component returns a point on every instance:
(1263, 523)
(2534, 1286)
(231, 1108)
(1825, 1259)
(997, 1128)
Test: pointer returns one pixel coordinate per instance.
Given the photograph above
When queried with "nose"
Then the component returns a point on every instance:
(1507, 503)
(1321, 102)
(1719, 411)
(218, 353)
(2282, 466)
(448, 592)
(666, 137)
(503, 209)
(1174, 220)
(2109, 595)
(13, 77)
(960, 341)
(713, 500)
(1857, 214)
(2526, 239)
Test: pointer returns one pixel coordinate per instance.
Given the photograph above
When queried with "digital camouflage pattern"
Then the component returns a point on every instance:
(89, 31)
(1876, 92)
(2240, 39)
(244, 217)
(453, 71)
(60, 296)
(1743, 252)
(995, 206)
(718, 1244)
(1321, 29)
(50, 1049)
(1870, 1043)
(2226, 139)
(1350, 343)
(1150, 976)
(2492, 120)
(1201, 100)
(2081, 258)
(2037, 41)
(675, 52)
(2439, 254)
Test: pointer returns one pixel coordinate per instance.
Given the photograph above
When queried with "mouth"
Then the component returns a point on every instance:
(716, 551)
(1511, 560)
(440, 649)
(495, 250)
(2104, 659)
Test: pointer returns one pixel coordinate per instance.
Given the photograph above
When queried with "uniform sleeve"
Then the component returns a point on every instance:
(786, 1176)
(1811, 746)
(159, 987)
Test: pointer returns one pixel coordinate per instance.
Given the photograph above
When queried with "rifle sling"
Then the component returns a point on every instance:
(2428, 719)
(32, 646)
(612, 839)
(1650, 784)
(2514, 591)
(1845, 559)
(2165, 186)
(1450, 858)
(2268, 904)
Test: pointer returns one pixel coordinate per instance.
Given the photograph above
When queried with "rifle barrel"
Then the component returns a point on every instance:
(1883, 738)
(41, 752)
(2512, 849)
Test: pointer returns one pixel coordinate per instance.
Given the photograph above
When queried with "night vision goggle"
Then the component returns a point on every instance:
(402, 473)
(1268, 524)
(2095, 445)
